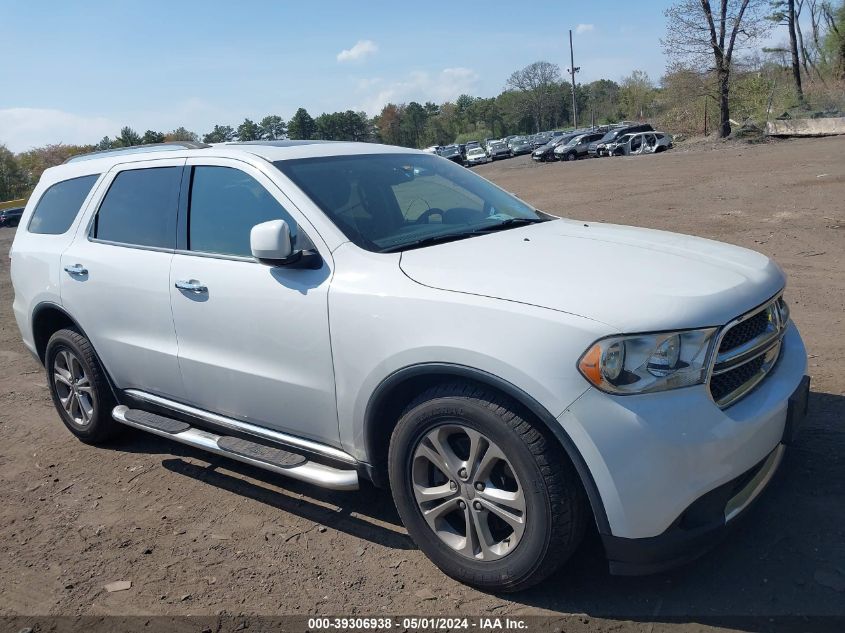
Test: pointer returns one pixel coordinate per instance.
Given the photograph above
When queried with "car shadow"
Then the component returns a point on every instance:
(785, 558)
(368, 513)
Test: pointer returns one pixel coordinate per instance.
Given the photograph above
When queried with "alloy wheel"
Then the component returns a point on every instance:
(468, 492)
(73, 388)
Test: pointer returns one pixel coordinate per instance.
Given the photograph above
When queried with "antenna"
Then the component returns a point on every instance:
(572, 70)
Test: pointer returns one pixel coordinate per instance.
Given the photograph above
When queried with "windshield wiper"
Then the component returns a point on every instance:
(451, 237)
(509, 224)
(426, 241)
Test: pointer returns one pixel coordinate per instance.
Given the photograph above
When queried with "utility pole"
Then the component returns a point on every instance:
(572, 70)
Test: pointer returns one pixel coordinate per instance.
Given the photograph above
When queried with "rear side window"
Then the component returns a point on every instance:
(225, 204)
(59, 205)
(140, 208)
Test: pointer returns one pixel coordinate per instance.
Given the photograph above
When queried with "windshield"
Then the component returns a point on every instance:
(476, 151)
(611, 136)
(450, 150)
(390, 202)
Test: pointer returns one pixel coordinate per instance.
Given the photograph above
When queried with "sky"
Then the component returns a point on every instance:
(73, 72)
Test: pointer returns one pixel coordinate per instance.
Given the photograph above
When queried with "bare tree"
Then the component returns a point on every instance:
(786, 14)
(698, 36)
(537, 81)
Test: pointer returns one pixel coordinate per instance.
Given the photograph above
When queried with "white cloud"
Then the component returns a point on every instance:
(584, 28)
(22, 129)
(361, 50)
(419, 85)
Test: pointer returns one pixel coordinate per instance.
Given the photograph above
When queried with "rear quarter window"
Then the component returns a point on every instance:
(58, 206)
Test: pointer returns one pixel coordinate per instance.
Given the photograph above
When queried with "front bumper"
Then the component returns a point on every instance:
(659, 460)
(702, 526)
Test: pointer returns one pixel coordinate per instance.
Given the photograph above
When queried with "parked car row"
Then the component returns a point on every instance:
(621, 139)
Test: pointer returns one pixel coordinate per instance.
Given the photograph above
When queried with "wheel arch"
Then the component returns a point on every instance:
(47, 319)
(398, 389)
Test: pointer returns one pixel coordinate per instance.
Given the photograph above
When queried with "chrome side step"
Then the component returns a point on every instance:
(269, 458)
(277, 437)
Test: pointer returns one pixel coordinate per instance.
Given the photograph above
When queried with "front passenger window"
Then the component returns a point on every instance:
(225, 204)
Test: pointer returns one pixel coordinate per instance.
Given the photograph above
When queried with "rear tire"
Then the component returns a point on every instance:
(79, 388)
(509, 512)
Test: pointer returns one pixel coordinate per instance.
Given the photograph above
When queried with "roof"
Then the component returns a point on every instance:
(99, 162)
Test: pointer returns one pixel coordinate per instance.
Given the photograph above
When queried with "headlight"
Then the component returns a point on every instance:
(641, 363)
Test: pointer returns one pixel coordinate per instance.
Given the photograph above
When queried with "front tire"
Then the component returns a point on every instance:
(482, 490)
(79, 388)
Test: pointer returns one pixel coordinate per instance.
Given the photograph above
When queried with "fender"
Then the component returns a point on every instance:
(512, 391)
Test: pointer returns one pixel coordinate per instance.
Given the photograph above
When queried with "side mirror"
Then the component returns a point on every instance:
(270, 243)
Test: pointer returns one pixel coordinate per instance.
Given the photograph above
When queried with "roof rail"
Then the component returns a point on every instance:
(138, 149)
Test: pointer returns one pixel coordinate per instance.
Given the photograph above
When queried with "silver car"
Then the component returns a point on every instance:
(638, 143)
(498, 149)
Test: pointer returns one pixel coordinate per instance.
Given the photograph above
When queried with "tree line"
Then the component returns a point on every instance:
(715, 76)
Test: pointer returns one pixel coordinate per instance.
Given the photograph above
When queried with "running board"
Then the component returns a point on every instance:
(269, 458)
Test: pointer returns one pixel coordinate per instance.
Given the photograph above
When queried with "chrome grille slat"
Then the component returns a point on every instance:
(747, 349)
(749, 356)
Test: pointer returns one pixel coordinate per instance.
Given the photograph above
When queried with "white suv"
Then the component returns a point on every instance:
(335, 312)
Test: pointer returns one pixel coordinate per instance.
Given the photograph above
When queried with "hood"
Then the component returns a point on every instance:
(634, 280)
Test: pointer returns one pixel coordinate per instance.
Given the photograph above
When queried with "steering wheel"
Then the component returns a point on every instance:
(425, 215)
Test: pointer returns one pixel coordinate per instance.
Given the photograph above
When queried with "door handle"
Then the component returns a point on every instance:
(76, 270)
(192, 285)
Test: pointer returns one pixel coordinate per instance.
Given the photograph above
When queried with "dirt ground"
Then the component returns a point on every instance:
(197, 534)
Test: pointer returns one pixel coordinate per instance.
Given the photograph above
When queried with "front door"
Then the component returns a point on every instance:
(635, 145)
(253, 339)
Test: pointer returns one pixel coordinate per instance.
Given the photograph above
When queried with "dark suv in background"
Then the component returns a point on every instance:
(11, 217)
(598, 148)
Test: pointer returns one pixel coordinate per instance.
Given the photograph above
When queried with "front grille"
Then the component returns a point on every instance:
(749, 348)
(743, 332)
(723, 385)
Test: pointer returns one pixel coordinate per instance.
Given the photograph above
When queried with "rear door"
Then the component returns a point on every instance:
(115, 274)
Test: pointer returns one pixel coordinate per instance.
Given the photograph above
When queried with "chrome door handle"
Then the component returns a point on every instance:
(76, 269)
(192, 285)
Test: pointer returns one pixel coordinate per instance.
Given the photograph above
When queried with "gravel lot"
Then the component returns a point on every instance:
(196, 534)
